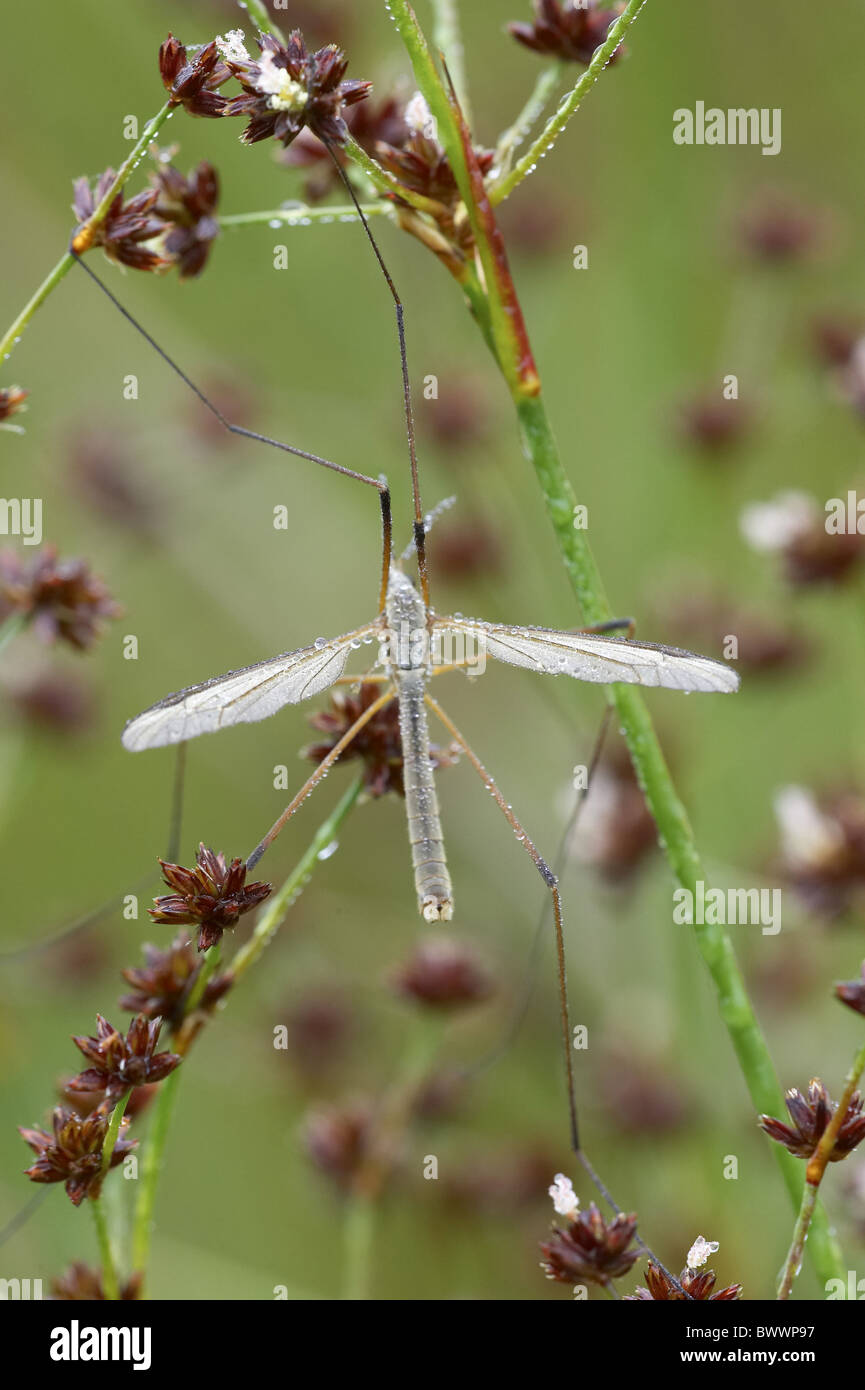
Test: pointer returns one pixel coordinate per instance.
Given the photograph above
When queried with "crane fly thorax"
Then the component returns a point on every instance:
(405, 638)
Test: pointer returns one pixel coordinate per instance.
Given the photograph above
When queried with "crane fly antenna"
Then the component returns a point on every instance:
(419, 530)
(379, 484)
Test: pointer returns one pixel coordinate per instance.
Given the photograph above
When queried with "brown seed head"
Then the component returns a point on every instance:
(188, 205)
(590, 1248)
(118, 1063)
(192, 81)
(161, 987)
(810, 1115)
(72, 1154)
(129, 231)
(289, 89)
(698, 1285)
(567, 29)
(441, 974)
(213, 895)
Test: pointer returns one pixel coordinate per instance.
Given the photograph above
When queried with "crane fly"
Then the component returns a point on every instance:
(414, 643)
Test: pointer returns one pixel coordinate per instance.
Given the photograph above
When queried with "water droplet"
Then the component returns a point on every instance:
(328, 851)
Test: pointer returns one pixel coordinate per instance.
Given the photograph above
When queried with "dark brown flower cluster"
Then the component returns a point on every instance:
(213, 894)
(567, 29)
(701, 615)
(188, 207)
(442, 975)
(712, 424)
(590, 1248)
(170, 224)
(852, 992)
(72, 1153)
(61, 599)
(377, 744)
(697, 1285)
(823, 848)
(81, 1283)
(12, 400)
(162, 986)
(129, 233)
(289, 89)
(810, 1115)
(193, 82)
(118, 1062)
(778, 229)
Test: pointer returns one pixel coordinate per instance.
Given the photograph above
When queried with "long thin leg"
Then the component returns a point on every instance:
(378, 483)
(419, 525)
(312, 782)
(551, 882)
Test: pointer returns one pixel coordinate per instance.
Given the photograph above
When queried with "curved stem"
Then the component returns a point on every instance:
(568, 107)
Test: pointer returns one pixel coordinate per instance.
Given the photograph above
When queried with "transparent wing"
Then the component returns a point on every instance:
(584, 656)
(244, 696)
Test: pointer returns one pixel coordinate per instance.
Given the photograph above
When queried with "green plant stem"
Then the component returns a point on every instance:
(112, 1131)
(109, 1274)
(302, 216)
(10, 629)
(568, 106)
(548, 80)
(448, 39)
(66, 262)
(157, 1136)
(273, 915)
(357, 1237)
(814, 1176)
(385, 182)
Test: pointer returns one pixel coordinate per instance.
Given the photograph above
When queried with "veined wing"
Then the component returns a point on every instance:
(243, 696)
(585, 656)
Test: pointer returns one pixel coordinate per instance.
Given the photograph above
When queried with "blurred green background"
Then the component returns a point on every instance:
(669, 304)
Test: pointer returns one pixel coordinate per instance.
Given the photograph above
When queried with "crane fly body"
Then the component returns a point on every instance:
(414, 643)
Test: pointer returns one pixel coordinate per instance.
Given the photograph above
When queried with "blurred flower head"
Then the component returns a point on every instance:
(778, 229)
(12, 400)
(80, 1282)
(822, 843)
(188, 205)
(162, 986)
(339, 1138)
(130, 232)
(442, 974)
(60, 599)
(852, 992)
(615, 830)
(793, 526)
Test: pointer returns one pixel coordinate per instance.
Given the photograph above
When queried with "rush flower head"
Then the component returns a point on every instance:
(822, 841)
(711, 423)
(567, 29)
(60, 599)
(80, 1282)
(368, 123)
(213, 895)
(118, 1063)
(852, 992)
(192, 81)
(339, 1138)
(442, 974)
(810, 1115)
(661, 1289)
(378, 743)
(130, 231)
(289, 88)
(72, 1154)
(188, 206)
(161, 987)
(590, 1248)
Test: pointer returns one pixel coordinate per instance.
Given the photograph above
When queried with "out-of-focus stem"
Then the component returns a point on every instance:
(109, 1274)
(534, 108)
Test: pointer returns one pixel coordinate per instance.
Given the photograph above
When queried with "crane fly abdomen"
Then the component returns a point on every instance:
(408, 660)
(432, 880)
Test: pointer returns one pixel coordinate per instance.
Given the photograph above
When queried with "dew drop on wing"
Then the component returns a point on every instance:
(319, 643)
